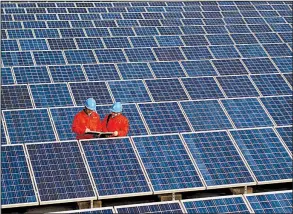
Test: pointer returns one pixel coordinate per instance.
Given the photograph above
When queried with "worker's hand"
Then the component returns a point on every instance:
(87, 130)
(115, 133)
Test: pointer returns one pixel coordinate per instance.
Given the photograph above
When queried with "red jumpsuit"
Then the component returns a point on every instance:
(82, 121)
(119, 123)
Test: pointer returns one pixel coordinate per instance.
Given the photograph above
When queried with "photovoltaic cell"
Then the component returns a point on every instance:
(25, 75)
(224, 52)
(167, 163)
(140, 54)
(251, 51)
(165, 41)
(230, 67)
(194, 40)
(247, 113)
(173, 121)
(15, 97)
(280, 108)
(50, 95)
(271, 202)
(284, 64)
(25, 126)
(167, 69)
(68, 73)
(9, 45)
(101, 72)
(97, 32)
(202, 88)
(166, 89)
(220, 39)
(234, 204)
(276, 50)
(49, 58)
(135, 70)
(271, 84)
(80, 56)
(6, 76)
(46, 33)
(97, 90)
(199, 68)
(145, 31)
(268, 38)
(260, 65)
(110, 55)
(20, 33)
(129, 91)
(163, 207)
(197, 53)
(17, 59)
(264, 153)
(72, 182)
(115, 168)
(206, 115)
(117, 42)
(16, 183)
(244, 38)
(286, 135)
(61, 44)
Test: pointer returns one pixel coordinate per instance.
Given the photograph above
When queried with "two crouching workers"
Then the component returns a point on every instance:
(88, 120)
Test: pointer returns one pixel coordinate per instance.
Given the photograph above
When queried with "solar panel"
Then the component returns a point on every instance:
(127, 23)
(268, 38)
(199, 68)
(276, 50)
(265, 154)
(62, 44)
(145, 31)
(217, 159)
(287, 37)
(158, 207)
(104, 210)
(15, 97)
(197, 53)
(289, 78)
(6, 76)
(237, 86)
(80, 56)
(16, 183)
(50, 95)
(286, 135)
(215, 29)
(125, 31)
(260, 65)
(24, 126)
(97, 90)
(67, 73)
(129, 91)
(101, 72)
(251, 51)
(192, 29)
(167, 163)
(60, 172)
(115, 168)
(166, 89)
(173, 120)
(49, 57)
(135, 70)
(271, 202)
(26, 75)
(280, 108)
(206, 115)
(224, 52)
(167, 69)
(284, 64)
(140, 54)
(97, 32)
(168, 41)
(117, 42)
(17, 58)
(224, 204)
(194, 40)
(247, 113)
(46, 33)
(229, 67)
(20, 33)
(110, 55)
(244, 38)
(271, 84)
(202, 88)
(9, 45)
(220, 39)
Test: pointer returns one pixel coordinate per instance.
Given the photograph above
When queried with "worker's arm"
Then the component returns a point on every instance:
(77, 126)
(124, 128)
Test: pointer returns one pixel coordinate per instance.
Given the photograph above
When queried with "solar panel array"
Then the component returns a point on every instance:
(221, 70)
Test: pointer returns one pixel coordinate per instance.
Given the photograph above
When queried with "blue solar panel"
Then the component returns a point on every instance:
(163, 207)
(169, 54)
(15, 97)
(237, 86)
(61, 44)
(284, 64)
(191, 22)
(173, 120)
(46, 33)
(135, 70)
(215, 29)
(140, 54)
(80, 56)
(98, 90)
(199, 68)
(115, 168)
(116, 42)
(230, 204)
(129, 91)
(110, 55)
(58, 24)
(206, 115)
(289, 78)
(33, 44)
(224, 52)
(192, 29)
(197, 53)
(287, 37)
(127, 23)
(49, 58)
(271, 202)
(230, 67)
(260, 65)
(280, 108)
(6, 76)
(244, 38)
(167, 163)
(265, 154)
(50, 95)
(220, 39)
(105, 210)
(97, 32)
(145, 31)
(122, 31)
(9, 45)
(165, 41)
(166, 89)
(101, 72)
(31, 75)
(71, 183)
(34, 24)
(3, 135)
(16, 183)
(202, 88)
(17, 59)
(251, 51)
(24, 126)
(247, 113)
(238, 29)
(286, 134)
(271, 84)
(276, 50)
(167, 69)
(20, 34)
(281, 28)
(217, 159)
(194, 40)
(268, 38)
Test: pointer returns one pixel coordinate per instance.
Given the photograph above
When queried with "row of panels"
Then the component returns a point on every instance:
(121, 167)
(124, 55)
(269, 202)
(139, 91)
(35, 125)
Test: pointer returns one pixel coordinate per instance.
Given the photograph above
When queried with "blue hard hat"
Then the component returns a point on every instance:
(90, 103)
(116, 107)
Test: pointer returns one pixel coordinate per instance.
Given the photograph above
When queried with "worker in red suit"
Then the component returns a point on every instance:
(87, 120)
(116, 122)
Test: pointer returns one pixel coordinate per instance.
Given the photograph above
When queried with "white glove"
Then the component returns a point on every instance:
(115, 133)
(87, 130)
